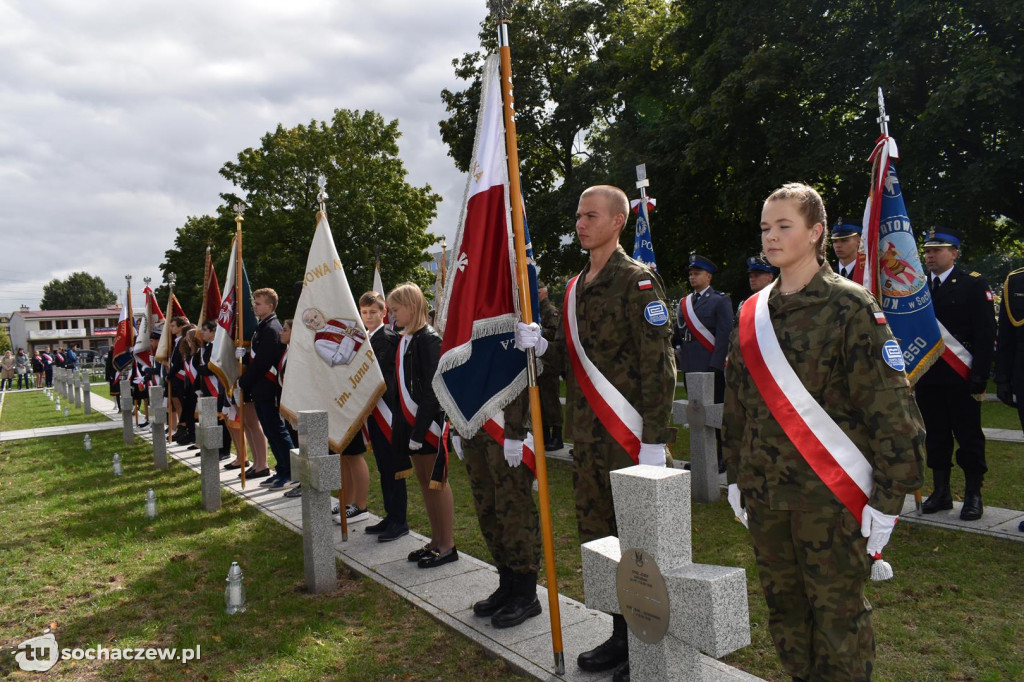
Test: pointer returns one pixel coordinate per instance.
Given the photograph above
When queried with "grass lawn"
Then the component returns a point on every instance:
(80, 557)
(33, 410)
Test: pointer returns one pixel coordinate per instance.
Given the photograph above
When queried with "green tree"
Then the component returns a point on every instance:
(79, 290)
(370, 205)
(5, 341)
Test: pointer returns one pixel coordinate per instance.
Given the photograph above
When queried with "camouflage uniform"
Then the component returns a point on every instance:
(549, 379)
(633, 354)
(811, 557)
(503, 495)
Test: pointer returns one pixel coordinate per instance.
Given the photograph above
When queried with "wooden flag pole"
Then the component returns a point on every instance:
(172, 419)
(239, 315)
(500, 11)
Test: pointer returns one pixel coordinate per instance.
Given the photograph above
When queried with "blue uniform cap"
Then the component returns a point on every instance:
(943, 236)
(698, 261)
(846, 227)
(759, 264)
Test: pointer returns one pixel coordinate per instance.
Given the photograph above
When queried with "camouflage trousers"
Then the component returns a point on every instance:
(813, 567)
(550, 405)
(505, 508)
(592, 485)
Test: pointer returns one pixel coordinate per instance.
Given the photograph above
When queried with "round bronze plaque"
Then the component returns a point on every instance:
(643, 597)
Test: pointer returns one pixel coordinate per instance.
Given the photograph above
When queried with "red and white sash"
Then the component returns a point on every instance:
(495, 428)
(823, 444)
(381, 415)
(190, 371)
(615, 413)
(275, 373)
(955, 355)
(409, 406)
(697, 329)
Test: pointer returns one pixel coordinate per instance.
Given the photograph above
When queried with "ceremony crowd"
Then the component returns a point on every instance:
(35, 371)
(822, 438)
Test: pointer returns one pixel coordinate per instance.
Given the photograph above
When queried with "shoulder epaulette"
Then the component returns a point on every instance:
(1018, 271)
(975, 273)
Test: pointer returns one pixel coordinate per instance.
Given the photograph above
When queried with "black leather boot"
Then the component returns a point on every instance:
(940, 499)
(610, 654)
(621, 673)
(500, 597)
(554, 440)
(972, 508)
(522, 605)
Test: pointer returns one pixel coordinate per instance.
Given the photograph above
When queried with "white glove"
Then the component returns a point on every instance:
(734, 501)
(415, 445)
(238, 395)
(513, 452)
(877, 528)
(653, 455)
(240, 352)
(457, 445)
(529, 336)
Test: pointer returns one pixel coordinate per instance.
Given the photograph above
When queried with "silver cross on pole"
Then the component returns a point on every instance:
(321, 196)
(883, 119)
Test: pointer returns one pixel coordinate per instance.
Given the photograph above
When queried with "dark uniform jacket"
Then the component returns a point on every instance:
(266, 352)
(963, 304)
(420, 361)
(830, 336)
(1010, 346)
(714, 310)
(384, 343)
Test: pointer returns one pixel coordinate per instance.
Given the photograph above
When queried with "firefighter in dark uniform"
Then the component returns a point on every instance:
(1010, 347)
(550, 378)
(950, 403)
(713, 310)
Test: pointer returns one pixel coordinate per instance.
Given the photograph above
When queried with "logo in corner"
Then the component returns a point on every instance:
(38, 654)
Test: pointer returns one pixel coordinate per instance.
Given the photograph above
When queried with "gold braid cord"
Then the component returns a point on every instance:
(1006, 299)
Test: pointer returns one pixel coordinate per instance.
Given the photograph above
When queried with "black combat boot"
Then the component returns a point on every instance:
(940, 499)
(500, 597)
(523, 603)
(610, 654)
(972, 508)
(621, 673)
(554, 440)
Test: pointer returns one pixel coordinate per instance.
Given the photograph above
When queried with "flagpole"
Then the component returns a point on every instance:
(171, 279)
(499, 8)
(239, 315)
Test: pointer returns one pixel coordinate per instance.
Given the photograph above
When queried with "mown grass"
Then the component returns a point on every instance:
(952, 612)
(80, 556)
(33, 410)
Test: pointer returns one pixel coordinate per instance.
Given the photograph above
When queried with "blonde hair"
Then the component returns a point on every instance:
(409, 295)
(267, 294)
(618, 202)
(811, 208)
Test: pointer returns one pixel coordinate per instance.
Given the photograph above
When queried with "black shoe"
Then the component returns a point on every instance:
(423, 551)
(554, 440)
(523, 604)
(294, 492)
(972, 508)
(232, 466)
(393, 533)
(621, 673)
(250, 474)
(939, 500)
(377, 528)
(490, 605)
(144, 425)
(223, 457)
(610, 654)
(436, 558)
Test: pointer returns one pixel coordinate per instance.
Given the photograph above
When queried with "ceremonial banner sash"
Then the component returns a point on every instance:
(382, 416)
(823, 444)
(409, 406)
(699, 331)
(614, 412)
(275, 372)
(495, 428)
(955, 355)
(211, 385)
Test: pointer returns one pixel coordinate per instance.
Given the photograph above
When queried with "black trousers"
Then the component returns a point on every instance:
(951, 413)
(393, 491)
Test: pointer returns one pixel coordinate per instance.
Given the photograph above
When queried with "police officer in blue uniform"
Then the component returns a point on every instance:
(714, 311)
(950, 403)
(846, 245)
(760, 274)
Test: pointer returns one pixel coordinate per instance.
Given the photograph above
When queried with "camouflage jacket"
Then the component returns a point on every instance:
(831, 337)
(625, 331)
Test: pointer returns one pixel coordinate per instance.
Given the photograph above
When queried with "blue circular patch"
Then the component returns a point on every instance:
(656, 313)
(893, 356)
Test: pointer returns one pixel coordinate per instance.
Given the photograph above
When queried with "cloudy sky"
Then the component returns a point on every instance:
(115, 116)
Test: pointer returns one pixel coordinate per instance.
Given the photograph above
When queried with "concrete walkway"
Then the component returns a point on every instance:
(446, 593)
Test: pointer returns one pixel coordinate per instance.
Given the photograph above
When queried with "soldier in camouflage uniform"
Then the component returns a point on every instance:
(503, 496)
(811, 551)
(550, 379)
(623, 327)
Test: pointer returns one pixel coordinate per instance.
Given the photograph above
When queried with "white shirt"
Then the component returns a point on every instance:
(941, 277)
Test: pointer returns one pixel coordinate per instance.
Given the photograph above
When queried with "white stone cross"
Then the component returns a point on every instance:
(703, 416)
(706, 605)
(157, 417)
(319, 472)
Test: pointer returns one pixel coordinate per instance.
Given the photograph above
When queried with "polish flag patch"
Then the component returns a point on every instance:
(879, 317)
(988, 295)
(645, 284)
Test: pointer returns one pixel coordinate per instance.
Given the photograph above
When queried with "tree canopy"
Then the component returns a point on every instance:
(79, 290)
(726, 100)
(370, 206)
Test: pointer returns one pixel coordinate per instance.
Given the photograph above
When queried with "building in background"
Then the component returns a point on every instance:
(89, 328)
